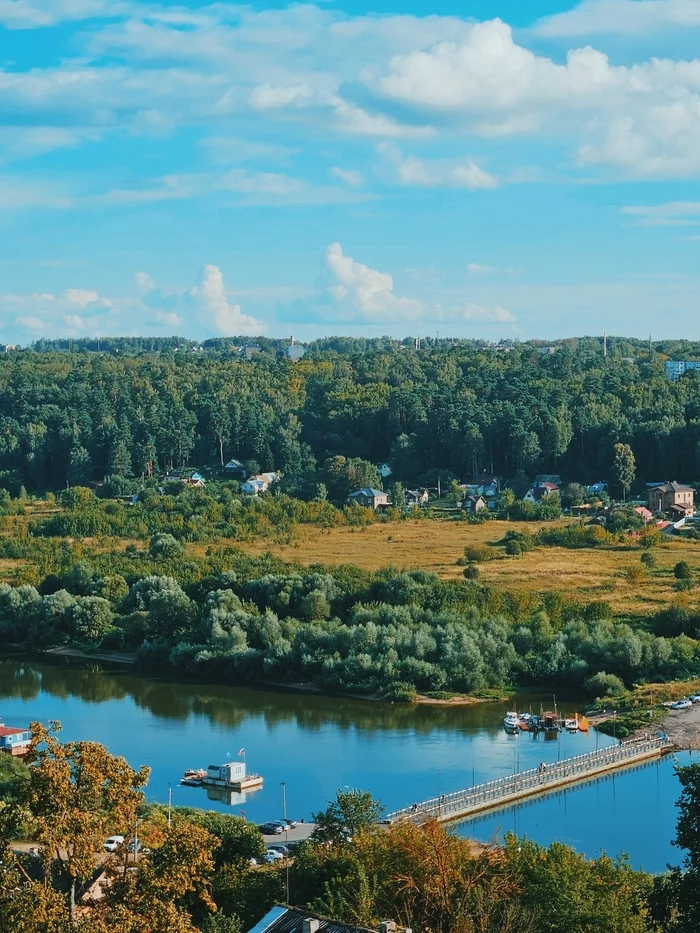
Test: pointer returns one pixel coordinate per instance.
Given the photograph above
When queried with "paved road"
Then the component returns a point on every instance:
(300, 831)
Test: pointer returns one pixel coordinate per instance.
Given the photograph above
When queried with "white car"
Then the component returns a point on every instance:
(272, 856)
(682, 704)
(113, 843)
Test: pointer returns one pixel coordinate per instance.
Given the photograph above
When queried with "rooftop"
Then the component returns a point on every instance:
(291, 920)
(7, 730)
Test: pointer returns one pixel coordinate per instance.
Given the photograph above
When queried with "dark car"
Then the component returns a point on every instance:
(283, 850)
(271, 829)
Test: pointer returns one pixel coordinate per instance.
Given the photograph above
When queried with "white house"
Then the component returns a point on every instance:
(541, 491)
(385, 470)
(234, 466)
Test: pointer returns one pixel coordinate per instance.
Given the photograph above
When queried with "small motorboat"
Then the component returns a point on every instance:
(583, 724)
(193, 777)
(526, 721)
(511, 722)
(571, 725)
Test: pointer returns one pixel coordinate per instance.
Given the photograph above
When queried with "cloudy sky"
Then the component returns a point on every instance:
(501, 168)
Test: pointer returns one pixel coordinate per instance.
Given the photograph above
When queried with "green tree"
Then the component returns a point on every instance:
(623, 468)
(351, 812)
(92, 617)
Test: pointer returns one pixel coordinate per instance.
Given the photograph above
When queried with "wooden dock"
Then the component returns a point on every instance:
(463, 804)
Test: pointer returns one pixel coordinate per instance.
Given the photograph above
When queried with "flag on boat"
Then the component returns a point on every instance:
(241, 751)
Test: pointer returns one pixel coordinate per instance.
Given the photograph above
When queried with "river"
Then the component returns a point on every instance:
(316, 745)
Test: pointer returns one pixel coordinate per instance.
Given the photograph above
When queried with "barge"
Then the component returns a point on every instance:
(231, 776)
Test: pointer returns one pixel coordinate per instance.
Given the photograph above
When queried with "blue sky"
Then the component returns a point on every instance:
(500, 169)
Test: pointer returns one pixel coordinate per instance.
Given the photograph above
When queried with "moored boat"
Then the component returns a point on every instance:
(193, 777)
(571, 725)
(511, 722)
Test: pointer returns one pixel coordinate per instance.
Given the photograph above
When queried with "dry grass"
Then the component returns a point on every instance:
(436, 546)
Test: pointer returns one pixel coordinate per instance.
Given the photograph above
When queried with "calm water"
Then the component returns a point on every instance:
(318, 744)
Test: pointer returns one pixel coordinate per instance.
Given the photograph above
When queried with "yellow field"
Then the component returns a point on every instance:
(436, 546)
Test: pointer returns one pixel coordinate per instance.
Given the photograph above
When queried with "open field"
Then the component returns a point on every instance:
(586, 574)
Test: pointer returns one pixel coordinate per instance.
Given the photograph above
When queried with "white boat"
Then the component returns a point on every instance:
(571, 725)
(511, 721)
(193, 777)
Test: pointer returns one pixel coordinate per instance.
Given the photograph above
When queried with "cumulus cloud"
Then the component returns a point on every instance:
(214, 308)
(28, 322)
(643, 119)
(360, 291)
(438, 173)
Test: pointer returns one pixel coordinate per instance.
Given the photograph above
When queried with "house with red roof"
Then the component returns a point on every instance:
(14, 741)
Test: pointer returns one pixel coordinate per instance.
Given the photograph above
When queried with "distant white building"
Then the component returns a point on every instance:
(385, 470)
(295, 352)
(677, 368)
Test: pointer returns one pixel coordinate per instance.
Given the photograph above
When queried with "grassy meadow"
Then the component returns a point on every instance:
(587, 574)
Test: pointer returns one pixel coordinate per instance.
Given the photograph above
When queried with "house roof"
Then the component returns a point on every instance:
(291, 920)
(418, 493)
(645, 513)
(367, 491)
(8, 730)
(537, 492)
(673, 487)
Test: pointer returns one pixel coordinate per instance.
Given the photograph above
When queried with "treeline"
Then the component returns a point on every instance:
(442, 410)
(342, 630)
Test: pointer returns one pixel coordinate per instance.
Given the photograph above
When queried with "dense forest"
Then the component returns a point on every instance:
(77, 411)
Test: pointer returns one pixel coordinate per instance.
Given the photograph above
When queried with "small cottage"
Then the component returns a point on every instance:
(416, 498)
(369, 498)
(475, 504)
(540, 491)
(14, 741)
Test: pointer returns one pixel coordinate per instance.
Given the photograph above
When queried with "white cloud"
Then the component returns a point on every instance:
(216, 311)
(594, 17)
(356, 289)
(170, 318)
(81, 296)
(29, 323)
(672, 214)
(74, 321)
(143, 281)
(474, 312)
(438, 173)
(643, 119)
(349, 176)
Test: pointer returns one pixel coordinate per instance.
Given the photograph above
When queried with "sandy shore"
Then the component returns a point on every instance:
(682, 726)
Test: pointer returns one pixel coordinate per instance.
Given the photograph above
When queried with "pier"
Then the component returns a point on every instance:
(462, 804)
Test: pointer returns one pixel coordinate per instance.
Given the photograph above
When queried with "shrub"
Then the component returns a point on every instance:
(605, 685)
(682, 571)
(513, 548)
(477, 553)
(648, 560)
(471, 572)
(165, 546)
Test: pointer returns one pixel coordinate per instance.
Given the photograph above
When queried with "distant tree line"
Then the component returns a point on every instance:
(72, 415)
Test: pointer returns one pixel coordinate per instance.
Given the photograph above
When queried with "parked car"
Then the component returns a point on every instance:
(271, 829)
(682, 704)
(272, 856)
(136, 846)
(287, 824)
(294, 844)
(284, 850)
(695, 698)
(113, 843)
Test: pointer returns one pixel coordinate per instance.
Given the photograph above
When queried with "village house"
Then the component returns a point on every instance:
(475, 504)
(369, 498)
(417, 497)
(487, 485)
(385, 470)
(296, 920)
(540, 491)
(191, 478)
(234, 466)
(258, 483)
(643, 513)
(14, 741)
(675, 498)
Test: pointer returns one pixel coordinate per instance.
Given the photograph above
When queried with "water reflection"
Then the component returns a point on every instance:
(230, 706)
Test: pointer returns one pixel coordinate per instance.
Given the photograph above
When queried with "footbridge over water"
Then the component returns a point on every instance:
(502, 792)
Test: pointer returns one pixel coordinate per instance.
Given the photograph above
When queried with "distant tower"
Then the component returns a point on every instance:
(605, 344)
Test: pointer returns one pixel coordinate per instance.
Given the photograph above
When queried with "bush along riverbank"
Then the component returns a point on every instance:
(339, 630)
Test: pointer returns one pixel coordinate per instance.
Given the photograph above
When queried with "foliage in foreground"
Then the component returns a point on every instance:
(195, 873)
